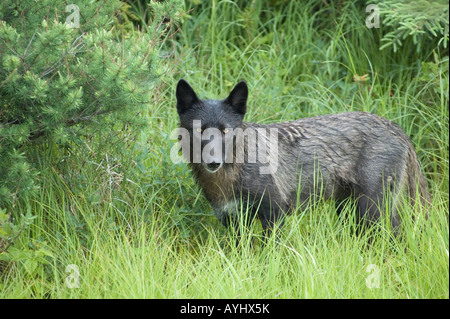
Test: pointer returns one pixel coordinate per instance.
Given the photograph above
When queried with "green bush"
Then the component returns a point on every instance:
(72, 78)
(65, 69)
(420, 19)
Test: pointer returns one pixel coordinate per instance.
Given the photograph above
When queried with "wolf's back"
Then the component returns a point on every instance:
(340, 154)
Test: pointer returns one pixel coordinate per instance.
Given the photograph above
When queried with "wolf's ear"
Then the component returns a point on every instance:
(186, 96)
(238, 98)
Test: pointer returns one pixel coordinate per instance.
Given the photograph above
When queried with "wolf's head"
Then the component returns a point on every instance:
(210, 122)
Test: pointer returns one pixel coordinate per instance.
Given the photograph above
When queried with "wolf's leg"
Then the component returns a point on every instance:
(341, 193)
(369, 196)
(368, 211)
(374, 175)
(230, 220)
(377, 199)
(393, 196)
(269, 220)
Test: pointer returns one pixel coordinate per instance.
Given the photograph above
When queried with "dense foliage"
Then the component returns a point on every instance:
(67, 75)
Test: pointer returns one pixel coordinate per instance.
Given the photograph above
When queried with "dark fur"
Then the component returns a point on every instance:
(338, 155)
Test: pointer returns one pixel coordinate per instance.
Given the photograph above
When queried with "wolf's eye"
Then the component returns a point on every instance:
(199, 129)
(226, 130)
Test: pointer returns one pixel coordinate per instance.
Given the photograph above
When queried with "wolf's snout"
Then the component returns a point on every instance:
(213, 166)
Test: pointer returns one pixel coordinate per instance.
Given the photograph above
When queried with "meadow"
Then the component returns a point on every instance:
(138, 226)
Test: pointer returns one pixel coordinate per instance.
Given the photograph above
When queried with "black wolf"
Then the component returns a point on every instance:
(338, 155)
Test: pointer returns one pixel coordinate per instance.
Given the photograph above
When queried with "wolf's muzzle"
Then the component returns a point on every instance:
(213, 167)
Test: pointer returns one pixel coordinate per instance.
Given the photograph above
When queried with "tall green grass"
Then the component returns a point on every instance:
(315, 255)
(139, 227)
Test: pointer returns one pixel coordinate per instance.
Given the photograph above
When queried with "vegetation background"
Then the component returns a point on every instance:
(91, 205)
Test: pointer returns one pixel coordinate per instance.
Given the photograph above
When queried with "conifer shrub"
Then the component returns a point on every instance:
(67, 72)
